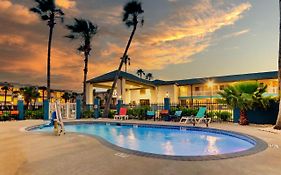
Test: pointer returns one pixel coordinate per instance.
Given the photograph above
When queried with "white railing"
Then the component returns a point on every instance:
(68, 110)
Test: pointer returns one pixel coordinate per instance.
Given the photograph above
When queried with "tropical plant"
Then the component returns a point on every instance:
(84, 30)
(245, 96)
(278, 121)
(132, 12)
(28, 94)
(6, 88)
(66, 96)
(140, 73)
(48, 11)
(34, 96)
(149, 76)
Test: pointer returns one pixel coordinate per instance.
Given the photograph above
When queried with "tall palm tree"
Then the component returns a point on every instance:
(244, 96)
(48, 11)
(132, 12)
(140, 73)
(84, 30)
(149, 76)
(28, 94)
(5, 88)
(278, 121)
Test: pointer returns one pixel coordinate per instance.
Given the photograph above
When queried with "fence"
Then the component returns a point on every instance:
(68, 110)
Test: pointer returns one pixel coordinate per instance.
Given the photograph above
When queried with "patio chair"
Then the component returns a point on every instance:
(122, 114)
(176, 116)
(200, 117)
(164, 114)
(150, 115)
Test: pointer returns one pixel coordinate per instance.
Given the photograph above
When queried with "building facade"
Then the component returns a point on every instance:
(14, 91)
(134, 90)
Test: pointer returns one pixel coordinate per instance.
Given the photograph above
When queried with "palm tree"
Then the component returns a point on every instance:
(131, 16)
(278, 121)
(149, 76)
(6, 88)
(34, 96)
(66, 96)
(84, 30)
(244, 96)
(140, 73)
(28, 94)
(48, 11)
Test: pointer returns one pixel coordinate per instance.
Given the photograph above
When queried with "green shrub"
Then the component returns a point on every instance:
(211, 114)
(111, 113)
(188, 111)
(88, 114)
(5, 116)
(33, 114)
(225, 116)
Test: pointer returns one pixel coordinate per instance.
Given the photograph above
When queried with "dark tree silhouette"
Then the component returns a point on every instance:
(6, 88)
(66, 96)
(149, 76)
(132, 12)
(84, 30)
(140, 73)
(48, 11)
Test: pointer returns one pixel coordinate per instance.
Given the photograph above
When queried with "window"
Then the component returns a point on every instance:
(144, 102)
(197, 88)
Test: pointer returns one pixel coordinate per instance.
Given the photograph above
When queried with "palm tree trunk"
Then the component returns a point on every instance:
(85, 79)
(51, 25)
(108, 101)
(5, 98)
(243, 117)
(278, 122)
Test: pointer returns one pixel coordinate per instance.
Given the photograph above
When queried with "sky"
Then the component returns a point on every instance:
(180, 39)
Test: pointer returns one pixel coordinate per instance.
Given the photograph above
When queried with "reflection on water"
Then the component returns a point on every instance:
(212, 147)
(168, 148)
(163, 141)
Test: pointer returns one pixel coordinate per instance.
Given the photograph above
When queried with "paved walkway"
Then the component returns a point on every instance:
(27, 153)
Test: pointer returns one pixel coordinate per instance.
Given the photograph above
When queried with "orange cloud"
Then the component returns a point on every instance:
(175, 40)
(16, 12)
(12, 39)
(67, 4)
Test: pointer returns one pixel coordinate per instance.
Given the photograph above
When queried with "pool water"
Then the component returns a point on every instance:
(164, 141)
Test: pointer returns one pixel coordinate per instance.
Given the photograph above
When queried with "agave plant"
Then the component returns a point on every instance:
(245, 96)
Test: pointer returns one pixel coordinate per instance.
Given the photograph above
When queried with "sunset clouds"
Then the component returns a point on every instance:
(171, 34)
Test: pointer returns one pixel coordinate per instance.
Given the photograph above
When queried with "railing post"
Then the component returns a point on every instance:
(78, 108)
(46, 109)
(167, 103)
(21, 109)
(96, 107)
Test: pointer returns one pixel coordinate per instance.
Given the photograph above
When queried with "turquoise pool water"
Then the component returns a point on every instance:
(164, 141)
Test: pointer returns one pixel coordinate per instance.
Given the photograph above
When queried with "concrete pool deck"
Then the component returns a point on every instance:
(42, 153)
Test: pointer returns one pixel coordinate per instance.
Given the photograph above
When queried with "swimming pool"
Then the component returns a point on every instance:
(173, 141)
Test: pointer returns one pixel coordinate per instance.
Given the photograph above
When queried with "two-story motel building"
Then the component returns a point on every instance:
(134, 90)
